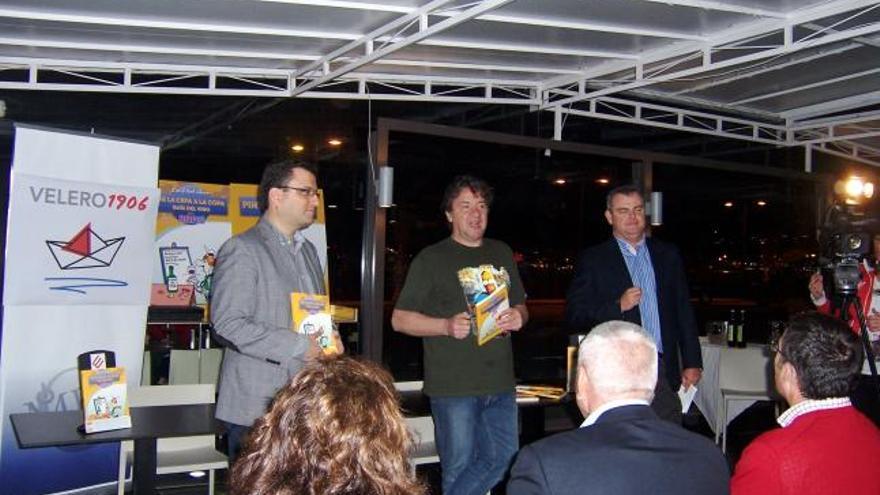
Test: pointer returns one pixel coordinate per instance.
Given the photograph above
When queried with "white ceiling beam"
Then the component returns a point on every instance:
(366, 42)
(81, 67)
(20, 62)
(851, 151)
(507, 19)
(667, 117)
(343, 4)
(508, 47)
(711, 66)
(155, 49)
(806, 139)
(722, 80)
(837, 120)
(732, 38)
(833, 106)
(168, 24)
(584, 26)
(805, 87)
(375, 77)
(721, 7)
(474, 66)
(423, 33)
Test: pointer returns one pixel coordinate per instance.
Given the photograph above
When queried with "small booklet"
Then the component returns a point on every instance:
(686, 396)
(104, 399)
(310, 314)
(485, 291)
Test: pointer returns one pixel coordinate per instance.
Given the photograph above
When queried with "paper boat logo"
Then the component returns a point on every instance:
(86, 249)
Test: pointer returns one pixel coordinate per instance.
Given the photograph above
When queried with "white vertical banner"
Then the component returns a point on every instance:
(79, 240)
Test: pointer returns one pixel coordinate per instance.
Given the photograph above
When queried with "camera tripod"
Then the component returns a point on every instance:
(850, 300)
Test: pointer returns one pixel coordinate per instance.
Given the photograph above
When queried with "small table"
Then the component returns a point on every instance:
(57, 429)
(533, 416)
(709, 392)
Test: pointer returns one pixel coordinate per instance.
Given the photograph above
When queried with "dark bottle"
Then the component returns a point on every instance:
(741, 329)
(731, 329)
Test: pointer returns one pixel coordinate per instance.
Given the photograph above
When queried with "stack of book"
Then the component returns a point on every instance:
(539, 392)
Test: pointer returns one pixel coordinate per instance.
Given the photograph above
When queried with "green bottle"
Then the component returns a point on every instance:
(171, 282)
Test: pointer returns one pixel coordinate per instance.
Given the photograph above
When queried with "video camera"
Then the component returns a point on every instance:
(845, 240)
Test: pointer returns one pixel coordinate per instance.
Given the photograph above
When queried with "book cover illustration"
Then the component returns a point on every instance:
(310, 314)
(485, 291)
(104, 397)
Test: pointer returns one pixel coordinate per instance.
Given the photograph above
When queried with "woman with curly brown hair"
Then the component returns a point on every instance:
(336, 428)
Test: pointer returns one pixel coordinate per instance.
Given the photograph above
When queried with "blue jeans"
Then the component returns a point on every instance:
(477, 438)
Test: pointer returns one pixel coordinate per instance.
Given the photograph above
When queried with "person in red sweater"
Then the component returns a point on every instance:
(825, 446)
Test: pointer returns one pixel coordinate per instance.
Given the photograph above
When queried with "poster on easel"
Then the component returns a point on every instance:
(193, 219)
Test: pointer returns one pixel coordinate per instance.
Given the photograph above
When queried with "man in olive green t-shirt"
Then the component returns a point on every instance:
(471, 387)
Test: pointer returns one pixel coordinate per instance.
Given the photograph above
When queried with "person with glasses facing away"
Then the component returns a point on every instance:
(825, 445)
(254, 275)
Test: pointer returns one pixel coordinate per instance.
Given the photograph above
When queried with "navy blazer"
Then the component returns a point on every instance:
(600, 279)
(628, 451)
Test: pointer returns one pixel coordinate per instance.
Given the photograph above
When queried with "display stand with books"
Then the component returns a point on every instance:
(103, 391)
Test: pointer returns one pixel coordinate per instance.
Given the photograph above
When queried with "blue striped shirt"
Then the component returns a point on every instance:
(641, 272)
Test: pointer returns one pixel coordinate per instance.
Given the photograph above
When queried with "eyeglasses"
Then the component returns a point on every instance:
(774, 344)
(306, 192)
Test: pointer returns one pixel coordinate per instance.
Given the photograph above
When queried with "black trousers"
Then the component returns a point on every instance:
(666, 403)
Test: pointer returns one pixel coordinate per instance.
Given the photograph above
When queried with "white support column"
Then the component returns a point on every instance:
(808, 158)
(557, 124)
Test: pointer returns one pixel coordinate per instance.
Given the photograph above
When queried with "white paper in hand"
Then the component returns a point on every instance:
(686, 397)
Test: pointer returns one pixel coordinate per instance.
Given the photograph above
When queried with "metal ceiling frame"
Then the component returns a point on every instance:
(377, 65)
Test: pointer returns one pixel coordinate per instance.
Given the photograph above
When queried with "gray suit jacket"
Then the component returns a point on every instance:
(250, 311)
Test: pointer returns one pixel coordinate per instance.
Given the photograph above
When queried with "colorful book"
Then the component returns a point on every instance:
(104, 399)
(310, 314)
(486, 294)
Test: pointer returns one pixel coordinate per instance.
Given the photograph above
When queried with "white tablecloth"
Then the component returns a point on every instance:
(708, 391)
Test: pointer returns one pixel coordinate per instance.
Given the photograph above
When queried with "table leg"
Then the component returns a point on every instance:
(532, 424)
(144, 474)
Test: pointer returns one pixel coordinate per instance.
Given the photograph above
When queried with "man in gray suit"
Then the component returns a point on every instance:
(250, 308)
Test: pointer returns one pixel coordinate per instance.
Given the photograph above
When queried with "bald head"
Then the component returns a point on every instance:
(617, 360)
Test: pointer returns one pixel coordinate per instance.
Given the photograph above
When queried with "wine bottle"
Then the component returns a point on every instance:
(171, 282)
(731, 329)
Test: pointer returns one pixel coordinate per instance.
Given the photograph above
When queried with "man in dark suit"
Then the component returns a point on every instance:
(622, 447)
(641, 280)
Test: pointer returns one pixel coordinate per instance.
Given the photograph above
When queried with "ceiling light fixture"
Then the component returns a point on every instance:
(334, 142)
(297, 148)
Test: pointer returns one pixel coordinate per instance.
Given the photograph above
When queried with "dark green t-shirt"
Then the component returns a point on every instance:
(456, 367)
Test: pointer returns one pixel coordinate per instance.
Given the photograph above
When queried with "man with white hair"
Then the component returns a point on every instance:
(622, 447)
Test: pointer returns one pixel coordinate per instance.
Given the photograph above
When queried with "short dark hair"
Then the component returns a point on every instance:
(825, 353)
(476, 185)
(626, 190)
(277, 174)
